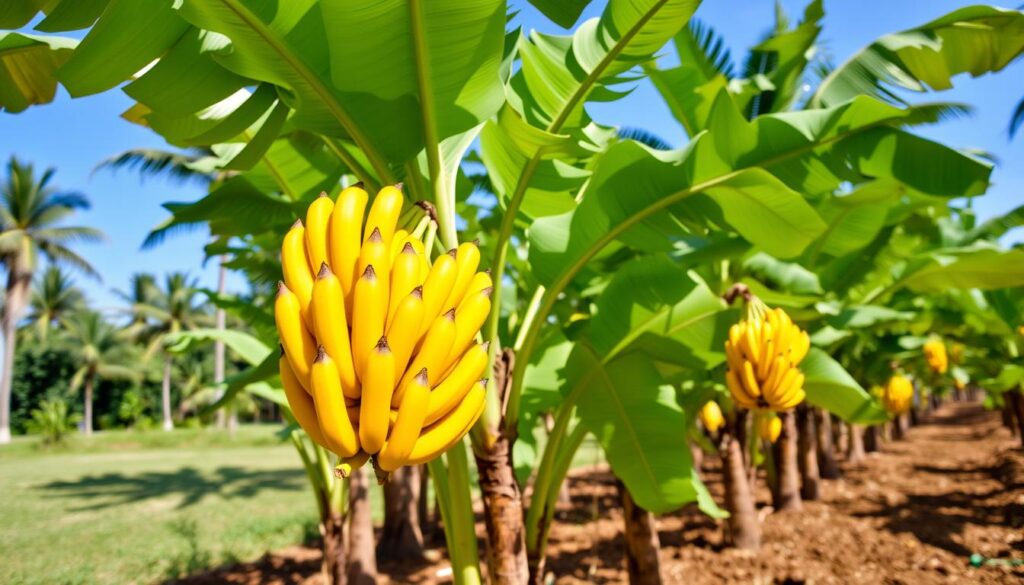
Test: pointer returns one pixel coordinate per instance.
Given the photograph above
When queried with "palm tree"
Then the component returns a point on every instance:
(171, 309)
(141, 291)
(30, 209)
(54, 298)
(100, 353)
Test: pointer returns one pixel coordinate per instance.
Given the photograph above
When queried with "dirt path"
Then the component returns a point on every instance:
(911, 514)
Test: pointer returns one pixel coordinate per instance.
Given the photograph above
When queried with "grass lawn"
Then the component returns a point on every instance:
(129, 507)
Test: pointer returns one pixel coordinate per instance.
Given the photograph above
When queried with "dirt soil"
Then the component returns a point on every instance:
(913, 513)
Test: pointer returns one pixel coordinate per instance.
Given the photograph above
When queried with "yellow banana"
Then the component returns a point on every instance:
(331, 327)
(398, 241)
(404, 330)
(481, 280)
(793, 394)
(300, 402)
(436, 287)
(467, 258)
(405, 276)
(371, 298)
(384, 212)
(346, 229)
(375, 407)
(749, 382)
(739, 394)
(407, 428)
(318, 221)
(295, 266)
(448, 431)
(296, 340)
(347, 465)
(711, 416)
(432, 353)
(375, 253)
(453, 389)
(467, 324)
(767, 350)
(769, 427)
(330, 407)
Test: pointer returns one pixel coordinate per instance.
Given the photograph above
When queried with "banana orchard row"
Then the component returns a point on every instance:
(378, 344)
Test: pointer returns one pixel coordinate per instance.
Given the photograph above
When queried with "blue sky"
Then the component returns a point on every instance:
(75, 135)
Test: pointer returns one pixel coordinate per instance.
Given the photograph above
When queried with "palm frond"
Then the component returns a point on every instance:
(150, 162)
(935, 112)
(644, 137)
(707, 48)
(1017, 119)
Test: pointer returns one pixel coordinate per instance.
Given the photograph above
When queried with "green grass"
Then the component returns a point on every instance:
(127, 507)
(134, 507)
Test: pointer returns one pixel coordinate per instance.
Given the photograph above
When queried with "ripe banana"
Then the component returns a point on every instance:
(330, 406)
(405, 276)
(467, 259)
(295, 266)
(762, 353)
(432, 353)
(436, 287)
(318, 220)
(481, 280)
(450, 429)
(404, 331)
(454, 388)
(368, 321)
(711, 416)
(346, 237)
(368, 326)
(331, 327)
(300, 402)
(384, 212)
(298, 344)
(408, 425)
(375, 407)
(468, 320)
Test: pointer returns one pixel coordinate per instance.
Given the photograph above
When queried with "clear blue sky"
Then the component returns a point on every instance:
(74, 135)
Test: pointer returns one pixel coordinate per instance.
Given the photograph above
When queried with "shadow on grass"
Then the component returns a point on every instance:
(116, 489)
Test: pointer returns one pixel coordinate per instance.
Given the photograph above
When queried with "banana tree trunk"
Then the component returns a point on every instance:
(826, 447)
(88, 405)
(165, 395)
(810, 479)
(503, 501)
(362, 558)
(642, 544)
(332, 528)
(871, 439)
(401, 538)
(787, 493)
(16, 299)
(855, 450)
(503, 514)
(744, 531)
(1017, 402)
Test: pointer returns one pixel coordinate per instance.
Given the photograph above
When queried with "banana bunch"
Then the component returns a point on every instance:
(379, 357)
(959, 384)
(769, 427)
(762, 353)
(711, 416)
(898, 394)
(935, 355)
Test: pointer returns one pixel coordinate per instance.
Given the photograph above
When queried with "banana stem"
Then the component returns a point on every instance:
(466, 569)
(439, 475)
(319, 493)
(559, 472)
(545, 481)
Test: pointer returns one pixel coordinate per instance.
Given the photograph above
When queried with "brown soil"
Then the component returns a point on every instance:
(912, 514)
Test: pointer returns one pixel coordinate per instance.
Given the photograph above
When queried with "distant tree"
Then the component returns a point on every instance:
(100, 353)
(172, 309)
(30, 211)
(54, 297)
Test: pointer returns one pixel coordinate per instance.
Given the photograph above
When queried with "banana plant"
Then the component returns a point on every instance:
(290, 97)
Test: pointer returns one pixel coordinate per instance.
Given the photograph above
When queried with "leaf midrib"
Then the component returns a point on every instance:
(321, 91)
